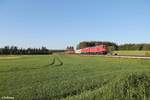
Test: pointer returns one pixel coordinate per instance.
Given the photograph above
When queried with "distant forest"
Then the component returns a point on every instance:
(14, 50)
(114, 46)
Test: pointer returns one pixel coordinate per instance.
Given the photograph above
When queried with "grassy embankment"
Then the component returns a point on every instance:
(74, 78)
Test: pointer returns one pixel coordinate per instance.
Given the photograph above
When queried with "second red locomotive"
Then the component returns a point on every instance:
(100, 50)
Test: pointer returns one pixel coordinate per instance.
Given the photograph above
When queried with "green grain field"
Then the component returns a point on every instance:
(73, 77)
(132, 53)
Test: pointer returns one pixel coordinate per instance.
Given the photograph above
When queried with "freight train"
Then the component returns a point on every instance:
(99, 50)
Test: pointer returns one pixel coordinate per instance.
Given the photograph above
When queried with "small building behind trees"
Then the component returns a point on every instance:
(70, 50)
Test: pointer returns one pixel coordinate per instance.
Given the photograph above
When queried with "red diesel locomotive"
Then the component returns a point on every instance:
(100, 49)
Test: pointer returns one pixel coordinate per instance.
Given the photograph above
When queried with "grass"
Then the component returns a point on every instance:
(132, 53)
(72, 77)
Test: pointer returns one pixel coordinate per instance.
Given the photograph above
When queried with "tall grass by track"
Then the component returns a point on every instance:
(75, 77)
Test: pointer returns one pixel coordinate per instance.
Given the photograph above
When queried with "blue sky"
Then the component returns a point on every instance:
(58, 23)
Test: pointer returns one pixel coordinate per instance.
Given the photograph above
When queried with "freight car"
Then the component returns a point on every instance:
(99, 50)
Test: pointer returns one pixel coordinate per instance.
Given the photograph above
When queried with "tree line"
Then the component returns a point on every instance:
(113, 46)
(70, 48)
(14, 50)
(144, 47)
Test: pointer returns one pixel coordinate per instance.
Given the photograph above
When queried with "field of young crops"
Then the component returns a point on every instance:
(132, 53)
(73, 77)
